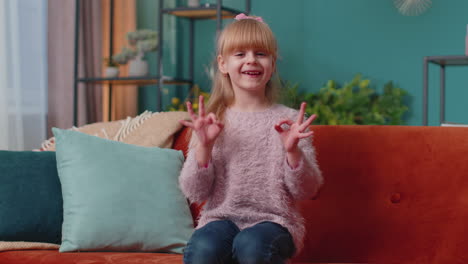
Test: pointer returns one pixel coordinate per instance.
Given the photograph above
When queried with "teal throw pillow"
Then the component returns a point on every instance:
(30, 197)
(120, 197)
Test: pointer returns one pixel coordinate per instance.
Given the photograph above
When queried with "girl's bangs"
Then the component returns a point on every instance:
(248, 35)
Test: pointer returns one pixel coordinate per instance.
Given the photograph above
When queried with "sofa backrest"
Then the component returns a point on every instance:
(392, 194)
(181, 140)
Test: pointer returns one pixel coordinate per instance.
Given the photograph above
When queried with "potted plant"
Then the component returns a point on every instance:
(354, 103)
(112, 68)
(141, 41)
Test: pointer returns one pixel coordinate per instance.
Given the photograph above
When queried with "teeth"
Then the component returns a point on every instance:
(252, 72)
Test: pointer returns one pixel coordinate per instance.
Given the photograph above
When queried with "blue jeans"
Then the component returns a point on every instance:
(223, 242)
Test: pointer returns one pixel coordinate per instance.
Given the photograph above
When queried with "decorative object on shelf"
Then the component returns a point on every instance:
(141, 41)
(112, 68)
(193, 3)
(466, 41)
(112, 72)
(355, 103)
(137, 67)
(412, 7)
(124, 56)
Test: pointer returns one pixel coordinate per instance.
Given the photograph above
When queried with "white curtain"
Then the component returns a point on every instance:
(23, 73)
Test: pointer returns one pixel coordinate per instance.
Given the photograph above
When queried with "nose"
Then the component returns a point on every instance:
(250, 57)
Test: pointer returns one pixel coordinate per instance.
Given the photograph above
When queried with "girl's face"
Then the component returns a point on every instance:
(249, 69)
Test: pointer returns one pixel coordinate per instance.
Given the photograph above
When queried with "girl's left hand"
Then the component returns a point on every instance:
(290, 137)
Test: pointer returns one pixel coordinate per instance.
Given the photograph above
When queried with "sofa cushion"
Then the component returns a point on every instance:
(30, 197)
(120, 197)
(54, 257)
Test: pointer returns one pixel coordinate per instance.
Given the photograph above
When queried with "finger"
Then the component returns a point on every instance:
(213, 117)
(210, 121)
(186, 123)
(219, 125)
(282, 122)
(307, 122)
(285, 121)
(190, 111)
(201, 106)
(305, 135)
(279, 129)
(215, 120)
(300, 118)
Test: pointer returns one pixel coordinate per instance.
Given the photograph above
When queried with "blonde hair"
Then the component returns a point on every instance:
(241, 34)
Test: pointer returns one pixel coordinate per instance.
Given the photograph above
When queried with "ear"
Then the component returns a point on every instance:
(222, 64)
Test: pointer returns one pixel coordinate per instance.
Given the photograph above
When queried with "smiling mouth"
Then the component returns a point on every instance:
(252, 73)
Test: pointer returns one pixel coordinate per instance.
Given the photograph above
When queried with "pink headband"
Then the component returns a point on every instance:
(243, 16)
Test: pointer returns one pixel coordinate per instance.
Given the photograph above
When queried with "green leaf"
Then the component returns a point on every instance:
(353, 103)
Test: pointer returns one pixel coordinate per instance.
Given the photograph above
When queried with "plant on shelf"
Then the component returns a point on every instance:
(112, 69)
(355, 103)
(124, 56)
(140, 41)
(110, 62)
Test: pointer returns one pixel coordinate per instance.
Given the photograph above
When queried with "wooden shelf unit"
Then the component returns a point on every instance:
(207, 11)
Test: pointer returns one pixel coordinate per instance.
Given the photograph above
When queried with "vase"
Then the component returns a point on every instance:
(111, 72)
(193, 3)
(137, 67)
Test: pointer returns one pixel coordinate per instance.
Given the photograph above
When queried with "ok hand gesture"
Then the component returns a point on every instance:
(207, 127)
(290, 137)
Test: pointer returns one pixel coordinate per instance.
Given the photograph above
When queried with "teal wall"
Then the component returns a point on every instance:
(173, 49)
(336, 39)
(146, 19)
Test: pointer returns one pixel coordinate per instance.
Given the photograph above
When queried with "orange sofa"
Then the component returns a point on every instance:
(392, 194)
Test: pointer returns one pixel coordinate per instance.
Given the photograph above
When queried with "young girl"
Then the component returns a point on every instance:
(250, 159)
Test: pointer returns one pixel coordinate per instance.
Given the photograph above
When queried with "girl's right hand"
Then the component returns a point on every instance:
(207, 127)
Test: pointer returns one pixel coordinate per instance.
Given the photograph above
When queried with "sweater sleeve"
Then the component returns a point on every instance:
(196, 182)
(305, 180)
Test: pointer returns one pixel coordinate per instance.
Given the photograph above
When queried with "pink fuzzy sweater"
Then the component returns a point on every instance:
(248, 179)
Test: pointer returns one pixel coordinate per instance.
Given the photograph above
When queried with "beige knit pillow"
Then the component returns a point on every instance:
(17, 245)
(152, 130)
(148, 129)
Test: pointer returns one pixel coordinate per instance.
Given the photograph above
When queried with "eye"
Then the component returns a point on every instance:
(238, 54)
(261, 53)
